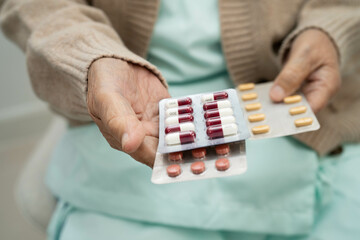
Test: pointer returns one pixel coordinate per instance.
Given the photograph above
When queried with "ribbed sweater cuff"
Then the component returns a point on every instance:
(96, 49)
(341, 29)
(88, 50)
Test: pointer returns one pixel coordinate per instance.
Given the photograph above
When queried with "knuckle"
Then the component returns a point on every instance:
(315, 59)
(289, 73)
(113, 122)
(306, 49)
(288, 77)
(116, 126)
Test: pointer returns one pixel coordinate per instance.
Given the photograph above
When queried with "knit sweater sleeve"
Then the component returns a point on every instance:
(61, 38)
(340, 20)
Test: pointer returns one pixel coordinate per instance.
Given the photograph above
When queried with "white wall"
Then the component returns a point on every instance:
(16, 96)
(23, 122)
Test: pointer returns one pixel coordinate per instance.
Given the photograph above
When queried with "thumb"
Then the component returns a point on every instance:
(296, 70)
(122, 123)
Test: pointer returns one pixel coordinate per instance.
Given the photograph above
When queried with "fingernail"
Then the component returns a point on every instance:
(124, 139)
(277, 92)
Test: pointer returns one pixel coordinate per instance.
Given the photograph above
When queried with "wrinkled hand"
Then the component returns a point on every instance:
(313, 65)
(123, 101)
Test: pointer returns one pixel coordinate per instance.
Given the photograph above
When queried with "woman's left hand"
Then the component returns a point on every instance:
(313, 65)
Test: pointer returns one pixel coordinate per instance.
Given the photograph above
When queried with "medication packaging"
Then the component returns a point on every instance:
(200, 163)
(201, 120)
(203, 136)
(266, 119)
(200, 136)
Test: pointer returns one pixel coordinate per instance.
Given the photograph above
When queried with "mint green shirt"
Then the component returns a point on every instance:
(186, 47)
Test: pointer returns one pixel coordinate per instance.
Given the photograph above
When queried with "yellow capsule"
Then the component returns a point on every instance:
(256, 117)
(253, 106)
(303, 122)
(249, 96)
(246, 86)
(297, 110)
(292, 99)
(260, 129)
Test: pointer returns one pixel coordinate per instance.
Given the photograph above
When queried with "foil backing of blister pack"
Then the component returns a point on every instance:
(202, 140)
(277, 115)
(237, 158)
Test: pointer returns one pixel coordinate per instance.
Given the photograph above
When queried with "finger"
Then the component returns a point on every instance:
(120, 121)
(298, 67)
(109, 138)
(128, 130)
(322, 85)
(146, 153)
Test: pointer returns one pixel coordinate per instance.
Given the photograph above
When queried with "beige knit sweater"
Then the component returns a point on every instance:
(61, 38)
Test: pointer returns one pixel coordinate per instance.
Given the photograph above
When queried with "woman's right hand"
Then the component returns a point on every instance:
(123, 101)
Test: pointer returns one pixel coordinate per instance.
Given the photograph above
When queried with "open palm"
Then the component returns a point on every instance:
(123, 101)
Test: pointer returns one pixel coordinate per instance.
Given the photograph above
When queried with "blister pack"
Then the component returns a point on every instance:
(201, 163)
(266, 119)
(200, 120)
(203, 136)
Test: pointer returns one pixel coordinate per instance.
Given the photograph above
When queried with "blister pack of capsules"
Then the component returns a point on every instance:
(266, 119)
(200, 136)
(201, 120)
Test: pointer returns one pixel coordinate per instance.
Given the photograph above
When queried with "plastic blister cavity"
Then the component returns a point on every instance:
(232, 163)
(223, 104)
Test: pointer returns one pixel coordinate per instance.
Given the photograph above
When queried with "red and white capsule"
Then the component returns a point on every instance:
(223, 112)
(179, 119)
(180, 138)
(178, 111)
(217, 104)
(214, 96)
(220, 131)
(220, 120)
(189, 126)
(171, 103)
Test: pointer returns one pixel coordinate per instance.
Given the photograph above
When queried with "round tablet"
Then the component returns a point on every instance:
(198, 167)
(222, 149)
(176, 156)
(222, 164)
(199, 152)
(173, 170)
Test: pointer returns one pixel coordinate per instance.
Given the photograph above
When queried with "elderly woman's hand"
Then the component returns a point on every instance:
(313, 65)
(123, 101)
